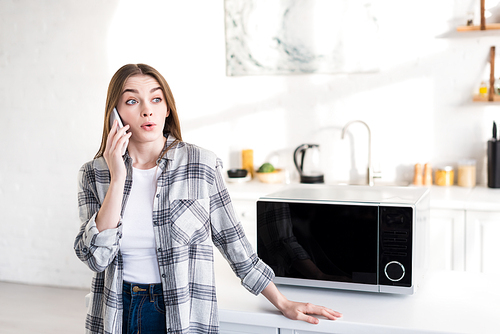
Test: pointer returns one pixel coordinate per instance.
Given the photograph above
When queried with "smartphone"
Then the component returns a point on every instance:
(116, 115)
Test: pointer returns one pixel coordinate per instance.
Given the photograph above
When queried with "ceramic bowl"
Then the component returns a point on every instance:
(274, 177)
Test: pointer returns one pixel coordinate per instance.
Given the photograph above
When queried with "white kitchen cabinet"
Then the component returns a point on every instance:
(295, 331)
(233, 328)
(447, 240)
(246, 210)
(482, 246)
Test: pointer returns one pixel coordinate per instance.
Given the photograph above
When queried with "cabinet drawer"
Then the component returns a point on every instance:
(299, 331)
(231, 328)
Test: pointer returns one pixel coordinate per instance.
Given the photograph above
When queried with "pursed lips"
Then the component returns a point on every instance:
(148, 126)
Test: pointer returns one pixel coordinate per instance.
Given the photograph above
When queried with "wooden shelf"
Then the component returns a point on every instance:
(484, 98)
(491, 96)
(491, 26)
(483, 25)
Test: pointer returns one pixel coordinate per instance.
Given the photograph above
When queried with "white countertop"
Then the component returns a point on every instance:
(447, 302)
(483, 199)
(479, 198)
(343, 194)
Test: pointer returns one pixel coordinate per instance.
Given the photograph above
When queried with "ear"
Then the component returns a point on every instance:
(168, 112)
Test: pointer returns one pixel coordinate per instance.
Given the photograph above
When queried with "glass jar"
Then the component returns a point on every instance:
(470, 18)
(444, 176)
(467, 173)
(483, 89)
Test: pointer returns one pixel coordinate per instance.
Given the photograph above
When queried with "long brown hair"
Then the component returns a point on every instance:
(115, 89)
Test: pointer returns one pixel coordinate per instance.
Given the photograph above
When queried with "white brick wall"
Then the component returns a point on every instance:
(56, 59)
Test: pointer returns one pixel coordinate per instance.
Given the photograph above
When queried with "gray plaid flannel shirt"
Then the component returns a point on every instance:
(192, 211)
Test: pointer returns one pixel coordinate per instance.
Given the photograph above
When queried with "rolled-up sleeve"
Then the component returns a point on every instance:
(96, 249)
(229, 237)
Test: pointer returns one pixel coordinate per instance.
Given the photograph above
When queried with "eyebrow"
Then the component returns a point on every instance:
(137, 92)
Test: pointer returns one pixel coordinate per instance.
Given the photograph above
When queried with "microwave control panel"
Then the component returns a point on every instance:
(395, 246)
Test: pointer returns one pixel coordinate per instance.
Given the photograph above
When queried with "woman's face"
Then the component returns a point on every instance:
(143, 107)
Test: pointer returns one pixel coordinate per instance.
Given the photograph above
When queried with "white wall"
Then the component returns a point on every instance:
(56, 59)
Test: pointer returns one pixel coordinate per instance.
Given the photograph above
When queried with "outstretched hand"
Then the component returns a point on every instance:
(300, 311)
(296, 310)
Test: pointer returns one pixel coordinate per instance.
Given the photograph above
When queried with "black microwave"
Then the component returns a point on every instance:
(345, 237)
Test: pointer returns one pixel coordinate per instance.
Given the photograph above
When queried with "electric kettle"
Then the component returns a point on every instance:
(307, 161)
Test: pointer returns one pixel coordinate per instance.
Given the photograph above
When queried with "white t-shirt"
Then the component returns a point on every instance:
(138, 246)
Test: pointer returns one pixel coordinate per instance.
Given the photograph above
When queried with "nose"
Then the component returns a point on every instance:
(146, 111)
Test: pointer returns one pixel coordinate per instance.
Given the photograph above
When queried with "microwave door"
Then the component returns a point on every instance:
(318, 241)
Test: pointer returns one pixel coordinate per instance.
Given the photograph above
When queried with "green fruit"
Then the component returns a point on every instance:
(266, 168)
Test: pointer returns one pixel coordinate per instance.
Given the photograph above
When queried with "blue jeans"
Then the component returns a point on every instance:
(143, 309)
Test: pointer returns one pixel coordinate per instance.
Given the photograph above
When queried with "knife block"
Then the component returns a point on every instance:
(493, 164)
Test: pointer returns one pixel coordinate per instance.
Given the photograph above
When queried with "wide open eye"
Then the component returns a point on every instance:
(157, 100)
(131, 102)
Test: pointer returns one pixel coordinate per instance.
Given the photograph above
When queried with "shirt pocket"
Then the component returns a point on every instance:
(190, 221)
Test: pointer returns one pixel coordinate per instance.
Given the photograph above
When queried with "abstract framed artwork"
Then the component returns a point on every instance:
(267, 37)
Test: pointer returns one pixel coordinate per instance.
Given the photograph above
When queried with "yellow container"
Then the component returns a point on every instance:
(444, 176)
(483, 89)
(247, 161)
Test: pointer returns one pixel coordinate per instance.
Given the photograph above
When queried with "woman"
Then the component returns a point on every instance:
(150, 217)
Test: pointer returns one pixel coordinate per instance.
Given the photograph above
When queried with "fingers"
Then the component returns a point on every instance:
(117, 138)
(123, 142)
(330, 314)
(308, 308)
(113, 153)
(307, 318)
(111, 135)
(321, 310)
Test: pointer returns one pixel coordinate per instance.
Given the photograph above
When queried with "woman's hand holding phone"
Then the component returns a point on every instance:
(115, 146)
(109, 213)
(116, 116)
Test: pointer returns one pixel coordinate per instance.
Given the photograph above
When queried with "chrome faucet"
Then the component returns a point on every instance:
(370, 175)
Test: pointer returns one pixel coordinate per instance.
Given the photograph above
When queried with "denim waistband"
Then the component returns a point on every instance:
(142, 289)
